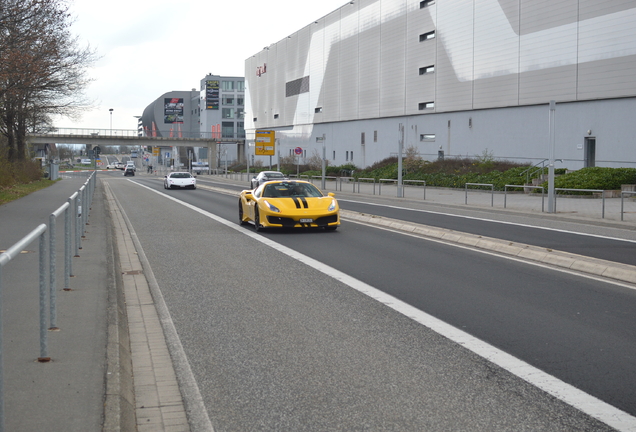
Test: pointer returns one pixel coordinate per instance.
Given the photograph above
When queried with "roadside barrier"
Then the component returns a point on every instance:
(72, 210)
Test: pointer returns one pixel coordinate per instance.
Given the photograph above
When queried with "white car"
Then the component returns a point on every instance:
(112, 165)
(179, 180)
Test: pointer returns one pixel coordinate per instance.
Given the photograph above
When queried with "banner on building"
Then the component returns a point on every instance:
(212, 95)
(173, 110)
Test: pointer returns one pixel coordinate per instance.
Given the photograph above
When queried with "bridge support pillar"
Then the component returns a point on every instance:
(212, 156)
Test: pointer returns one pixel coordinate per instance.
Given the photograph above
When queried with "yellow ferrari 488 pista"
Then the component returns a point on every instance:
(288, 204)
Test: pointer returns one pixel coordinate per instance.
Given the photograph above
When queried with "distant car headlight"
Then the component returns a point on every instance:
(272, 207)
(332, 206)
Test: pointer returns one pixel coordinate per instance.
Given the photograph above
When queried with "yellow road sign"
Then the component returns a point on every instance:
(265, 144)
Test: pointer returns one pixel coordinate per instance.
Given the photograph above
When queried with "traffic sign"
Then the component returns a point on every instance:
(265, 143)
(298, 150)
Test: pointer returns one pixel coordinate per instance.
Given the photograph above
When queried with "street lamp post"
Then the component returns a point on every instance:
(111, 120)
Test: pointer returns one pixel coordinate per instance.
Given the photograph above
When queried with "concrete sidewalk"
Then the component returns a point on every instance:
(67, 393)
(110, 368)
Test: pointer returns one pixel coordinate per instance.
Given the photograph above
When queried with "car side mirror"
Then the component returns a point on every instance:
(165, 176)
(331, 194)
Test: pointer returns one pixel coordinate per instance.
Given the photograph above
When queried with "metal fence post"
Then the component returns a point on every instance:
(52, 275)
(1, 361)
(43, 342)
(78, 222)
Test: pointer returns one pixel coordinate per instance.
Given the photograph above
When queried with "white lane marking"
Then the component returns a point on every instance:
(490, 220)
(559, 389)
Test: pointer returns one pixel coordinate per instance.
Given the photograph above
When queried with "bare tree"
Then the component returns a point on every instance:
(42, 69)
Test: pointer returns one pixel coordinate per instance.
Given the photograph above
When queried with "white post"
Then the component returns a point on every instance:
(551, 196)
(400, 150)
(324, 160)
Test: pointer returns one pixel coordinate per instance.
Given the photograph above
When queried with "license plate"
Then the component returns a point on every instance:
(306, 220)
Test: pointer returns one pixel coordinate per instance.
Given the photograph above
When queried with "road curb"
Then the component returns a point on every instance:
(593, 266)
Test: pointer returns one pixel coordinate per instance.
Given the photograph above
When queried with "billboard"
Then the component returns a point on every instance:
(173, 110)
(212, 95)
(265, 143)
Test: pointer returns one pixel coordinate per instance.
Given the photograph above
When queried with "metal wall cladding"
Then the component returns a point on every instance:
(369, 59)
(364, 59)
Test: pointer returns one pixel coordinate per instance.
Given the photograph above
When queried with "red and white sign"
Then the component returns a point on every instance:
(298, 150)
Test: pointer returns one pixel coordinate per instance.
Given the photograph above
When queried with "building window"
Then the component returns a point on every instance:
(427, 70)
(240, 101)
(240, 130)
(334, 155)
(362, 138)
(228, 100)
(228, 112)
(255, 119)
(375, 136)
(427, 137)
(347, 156)
(240, 113)
(427, 36)
(275, 116)
(240, 86)
(318, 110)
(227, 85)
(426, 105)
(227, 129)
(426, 3)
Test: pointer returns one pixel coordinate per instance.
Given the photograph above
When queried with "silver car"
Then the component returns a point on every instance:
(265, 176)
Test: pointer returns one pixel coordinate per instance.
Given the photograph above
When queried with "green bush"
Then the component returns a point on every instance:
(595, 178)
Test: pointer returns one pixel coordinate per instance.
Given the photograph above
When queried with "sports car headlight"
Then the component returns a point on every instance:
(272, 207)
(332, 206)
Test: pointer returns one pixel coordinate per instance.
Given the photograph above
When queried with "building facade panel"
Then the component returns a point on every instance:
(496, 56)
(348, 66)
(331, 83)
(421, 56)
(463, 76)
(455, 55)
(369, 59)
(393, 58)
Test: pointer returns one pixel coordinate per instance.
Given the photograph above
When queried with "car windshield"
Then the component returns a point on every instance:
(291, 190)
(274, 175)
(180, 175)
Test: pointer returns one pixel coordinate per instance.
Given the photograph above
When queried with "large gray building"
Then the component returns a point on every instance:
(214, 111)
(463, 77)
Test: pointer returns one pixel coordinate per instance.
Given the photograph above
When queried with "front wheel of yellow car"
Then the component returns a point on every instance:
(257, 220)
(241, 220)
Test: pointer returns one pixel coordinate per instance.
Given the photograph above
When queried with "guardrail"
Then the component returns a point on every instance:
(492, 192)
(525, 187)
(72, 210)
(582, 190)
(626, 193)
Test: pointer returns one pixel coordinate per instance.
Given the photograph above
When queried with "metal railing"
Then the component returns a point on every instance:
(602, 192)
(526, 187)
(622, 194)
(72, 210)
(492, 191)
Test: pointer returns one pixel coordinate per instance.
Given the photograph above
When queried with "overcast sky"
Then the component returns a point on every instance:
(150, 47)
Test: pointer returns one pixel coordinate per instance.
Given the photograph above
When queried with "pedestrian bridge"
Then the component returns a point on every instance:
(130, 137)
(125, 137)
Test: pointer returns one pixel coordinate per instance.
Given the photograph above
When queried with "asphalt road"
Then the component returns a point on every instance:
(278, 345)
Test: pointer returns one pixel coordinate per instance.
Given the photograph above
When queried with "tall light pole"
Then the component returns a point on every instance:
(111, 120)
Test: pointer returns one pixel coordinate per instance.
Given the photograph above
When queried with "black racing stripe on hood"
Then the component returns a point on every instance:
(296, 201)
